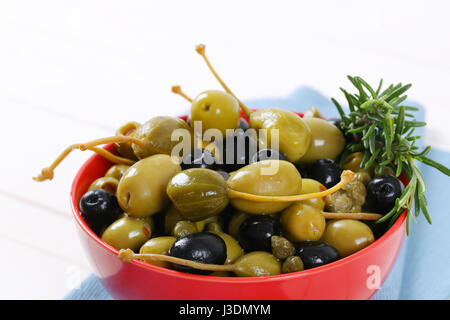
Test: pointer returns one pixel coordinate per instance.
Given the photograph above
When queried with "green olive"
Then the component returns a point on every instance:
(281, 247)
(157, 134)
(216, 110)
(363, 176)
(116, 171)
(105, 183)
(128, 232)
(214, 227)
(142, 189)
(234, 250)
(292, 264)
(327, 141)
(124, 149)
(347, 236)
(294, 135)
(312, 112)
(198, 193)
(302, 222)
(158, 245)
(235, 222)
(257, 264)
(258, 179)
(171, 218)
(184, 228)
(353, 161)
(313, 186)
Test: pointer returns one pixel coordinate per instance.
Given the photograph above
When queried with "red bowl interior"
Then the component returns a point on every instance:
(346, 278)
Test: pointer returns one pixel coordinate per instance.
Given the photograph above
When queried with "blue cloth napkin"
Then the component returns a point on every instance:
(422, 270)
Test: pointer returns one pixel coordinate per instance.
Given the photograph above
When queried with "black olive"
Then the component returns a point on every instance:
(99, 208)
(199, 158)
(204, 247)
(255, 233)
(224, 174)
(382, 193)
(268, 154)
(316, 253)
(243, 124)
(237, 150)
(326, 171)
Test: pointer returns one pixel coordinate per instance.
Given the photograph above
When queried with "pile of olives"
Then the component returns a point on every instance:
(238, 205)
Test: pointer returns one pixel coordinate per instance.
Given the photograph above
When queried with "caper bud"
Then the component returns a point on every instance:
(292, 264)
(281, 247)
(198, 193)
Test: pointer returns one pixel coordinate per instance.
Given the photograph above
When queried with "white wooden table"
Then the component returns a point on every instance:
(71, 71)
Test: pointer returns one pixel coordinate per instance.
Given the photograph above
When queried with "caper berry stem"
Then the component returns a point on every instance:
(349, 215)
(48, 172)
(177, 90)
(126, 255)
(346, 177)
(201, 51)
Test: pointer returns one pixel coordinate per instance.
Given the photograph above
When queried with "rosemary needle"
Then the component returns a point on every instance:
(384, 132)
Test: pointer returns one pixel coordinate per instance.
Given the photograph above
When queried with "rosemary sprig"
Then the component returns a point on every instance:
(384, 132)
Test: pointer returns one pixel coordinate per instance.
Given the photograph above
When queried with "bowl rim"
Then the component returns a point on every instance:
(399, 223)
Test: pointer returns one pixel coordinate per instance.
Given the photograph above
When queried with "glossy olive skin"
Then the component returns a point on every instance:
(235, 222)
(302, 222)
(216, 110)
(292, 264)
(128, 232)
(99, 208)
(204, 247)
(281, 247)
(326, 171)
(184, 228)
(316, 254)
(142, 189)
(327, 141)
(347, 236)
(125, 149)
(116, 171)
(106, 183)
(234, 250)
(353, 161)
(257, 264)
(198, 193)
(294, 134)
(382, 192)
(270, 178)
(158, 245)
(313, 186)
(255, 233)
(157, 134)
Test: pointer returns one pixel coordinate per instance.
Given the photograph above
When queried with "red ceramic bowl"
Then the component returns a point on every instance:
(353, 277)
